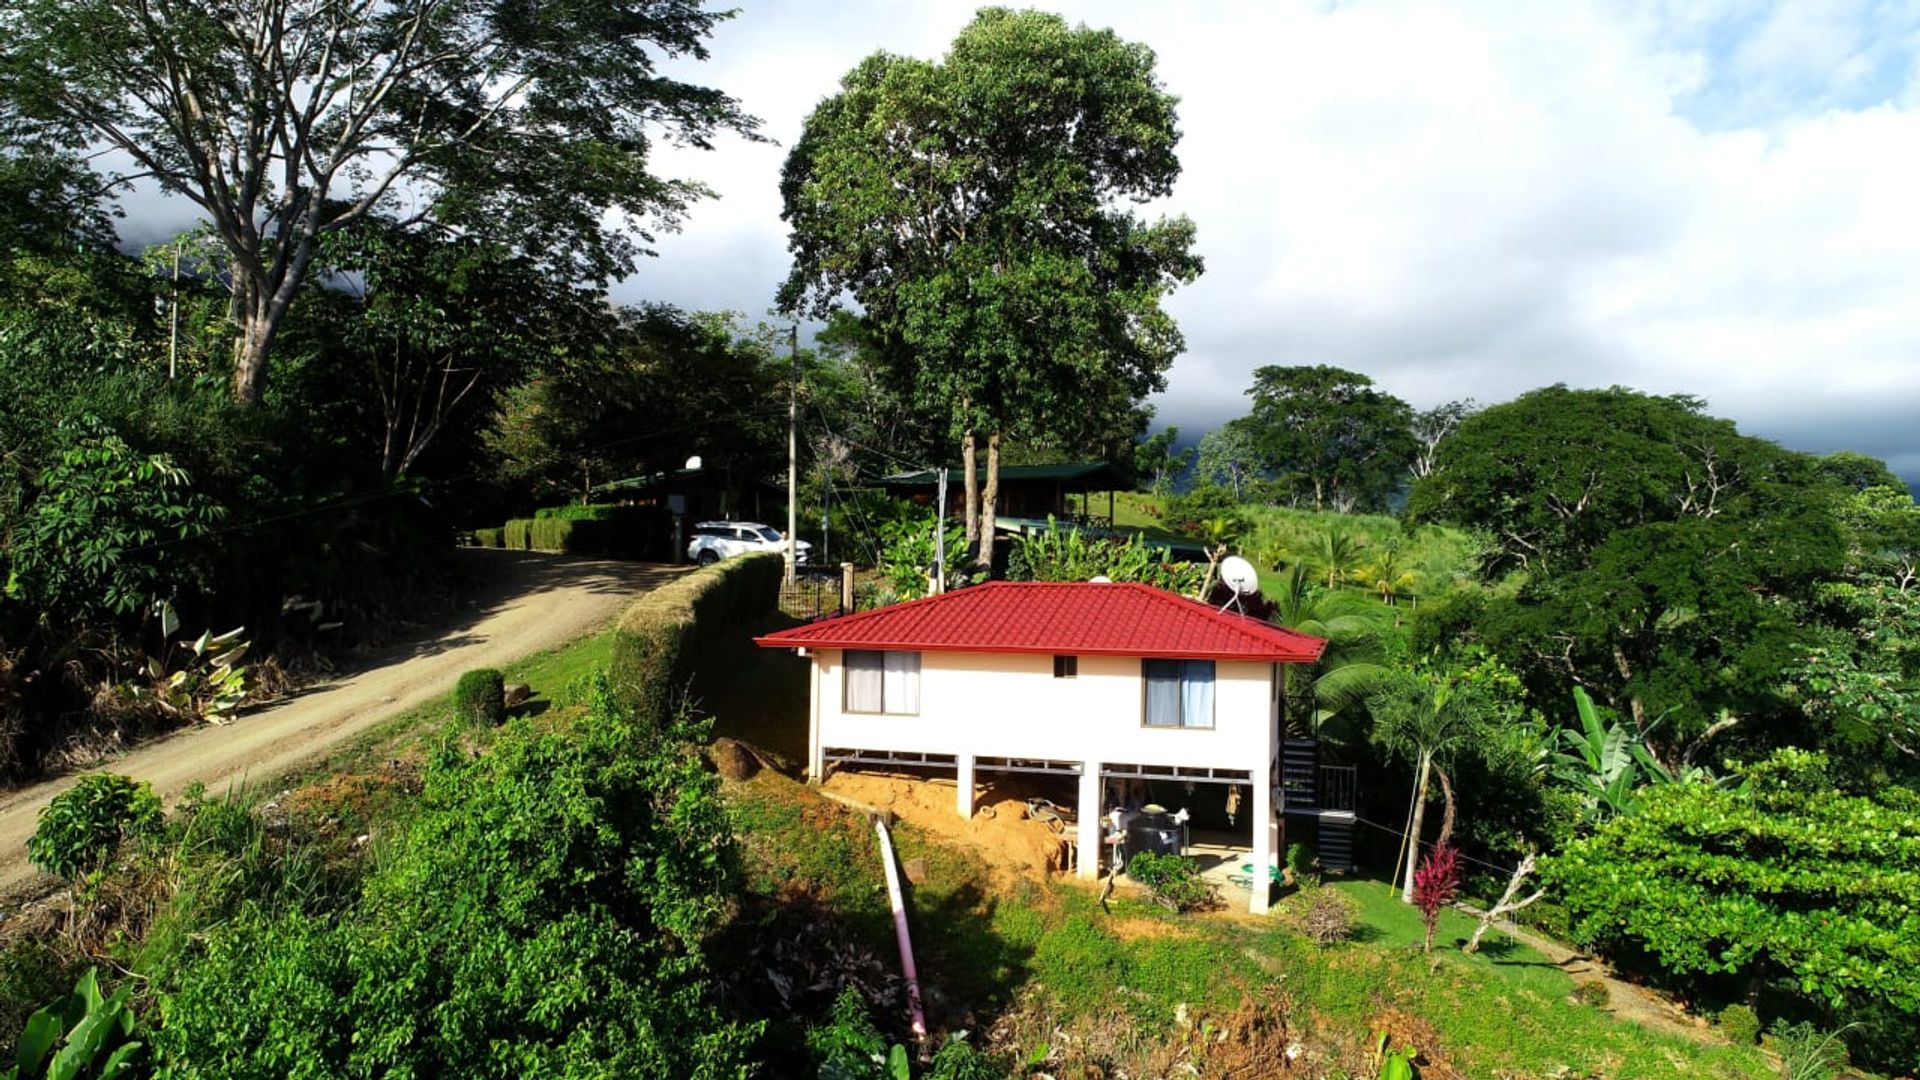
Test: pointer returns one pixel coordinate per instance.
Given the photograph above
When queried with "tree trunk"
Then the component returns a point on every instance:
(1413, 834)
(970, 487)
(988, 496)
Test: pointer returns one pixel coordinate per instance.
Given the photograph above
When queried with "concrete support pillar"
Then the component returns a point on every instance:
(816, 750)
(1265, 835)
(963, 773)
(1089, 818)
(846, 587)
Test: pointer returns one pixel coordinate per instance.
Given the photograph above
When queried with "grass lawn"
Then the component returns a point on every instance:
(1053, 976)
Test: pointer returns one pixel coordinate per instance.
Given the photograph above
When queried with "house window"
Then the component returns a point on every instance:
(1066, 667)
(1179, 693)
(883, 682)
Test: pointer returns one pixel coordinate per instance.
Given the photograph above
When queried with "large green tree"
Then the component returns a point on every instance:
(1327, 432)
(1669, 560)
(974, 208)
(529, 123)
(664, 386)
(439, 325)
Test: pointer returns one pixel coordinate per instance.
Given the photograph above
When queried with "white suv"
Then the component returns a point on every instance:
(716, 540)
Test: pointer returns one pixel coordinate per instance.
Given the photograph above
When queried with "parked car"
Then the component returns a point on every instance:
(716, 540)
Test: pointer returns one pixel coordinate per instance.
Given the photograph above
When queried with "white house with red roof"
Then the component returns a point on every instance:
(1106, 682)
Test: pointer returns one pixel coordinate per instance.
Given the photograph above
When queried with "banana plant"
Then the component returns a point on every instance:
(202, 680)
(1607, 764)
(83, 1036)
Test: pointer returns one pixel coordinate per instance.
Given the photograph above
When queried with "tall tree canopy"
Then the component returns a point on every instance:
(973, 208)
(1329, 434)
(529, 123)
(1670, 561)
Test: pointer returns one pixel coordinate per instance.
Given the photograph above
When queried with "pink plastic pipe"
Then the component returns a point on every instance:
(900, 932)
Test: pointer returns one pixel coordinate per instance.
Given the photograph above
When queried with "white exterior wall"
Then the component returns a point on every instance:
(1010, 705)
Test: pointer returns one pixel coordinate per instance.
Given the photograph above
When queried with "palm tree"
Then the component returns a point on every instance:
(1349, 670)
(1334, 553)
(1387, 574)
(1424, 718)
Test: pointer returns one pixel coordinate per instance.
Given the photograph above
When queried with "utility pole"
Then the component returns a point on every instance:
(940, 532)
(793, 455)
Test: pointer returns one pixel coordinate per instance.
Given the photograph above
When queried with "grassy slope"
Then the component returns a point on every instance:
(551, 674)
(984, 946)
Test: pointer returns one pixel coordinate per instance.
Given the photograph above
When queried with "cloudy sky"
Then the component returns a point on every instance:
(1719, 197)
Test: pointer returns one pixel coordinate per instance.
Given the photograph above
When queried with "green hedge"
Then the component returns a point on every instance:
(479, 698)
(583, 512)
(659, 638)
(616, 534)
(516, 533)
(490, 538)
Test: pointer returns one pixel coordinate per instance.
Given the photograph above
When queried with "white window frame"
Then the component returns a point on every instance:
(1187, 670)
(899, 674)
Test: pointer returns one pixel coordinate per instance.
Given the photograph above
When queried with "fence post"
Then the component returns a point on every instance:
(846, 586)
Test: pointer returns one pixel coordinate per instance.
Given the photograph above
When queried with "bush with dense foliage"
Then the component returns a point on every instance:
(1740, 1024)
(83, 825)
(1073, 555)
(1785, 884)
(545, 913)
(83, 1036)
(479, 698)
(659, 637)
(1174, 881)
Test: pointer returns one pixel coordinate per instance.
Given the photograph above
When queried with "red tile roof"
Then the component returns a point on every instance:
(1065, 617)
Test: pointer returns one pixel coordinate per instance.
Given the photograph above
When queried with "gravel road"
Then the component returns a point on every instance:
(522, 603)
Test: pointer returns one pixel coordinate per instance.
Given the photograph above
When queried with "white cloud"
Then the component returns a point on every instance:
(1480, 199)
(1468, 198)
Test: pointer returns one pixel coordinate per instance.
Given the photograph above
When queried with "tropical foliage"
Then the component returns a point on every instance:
(1788, 882)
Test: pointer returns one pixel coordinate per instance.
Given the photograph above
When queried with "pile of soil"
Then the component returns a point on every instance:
(999, 829)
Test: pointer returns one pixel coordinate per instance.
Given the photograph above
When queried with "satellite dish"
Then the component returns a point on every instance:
(1100, 579)
(1239, 575)
(693, 463)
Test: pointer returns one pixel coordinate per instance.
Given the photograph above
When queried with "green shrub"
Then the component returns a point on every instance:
(31, 972)
(849, 1047)
(582, 512)
(544, 913)
(659, 638)
(517, 534)
(1592, 993)
(1806, 1052)
(93, 1035)
(83, 825)
(479, 698)
(1740, 1024)
(1789, 873)
(1174, 881)
(490, 538)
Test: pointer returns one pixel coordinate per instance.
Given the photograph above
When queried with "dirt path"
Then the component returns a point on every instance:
(523, 603)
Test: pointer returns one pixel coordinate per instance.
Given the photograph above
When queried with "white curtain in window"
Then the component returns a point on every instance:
(1163, 692)
(902, 682)
(864, 681)
(1196, 694)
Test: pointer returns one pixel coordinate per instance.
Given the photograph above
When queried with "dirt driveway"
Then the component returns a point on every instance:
(523, 603)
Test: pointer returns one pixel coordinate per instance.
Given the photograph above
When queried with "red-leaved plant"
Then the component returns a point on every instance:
(1435, 884)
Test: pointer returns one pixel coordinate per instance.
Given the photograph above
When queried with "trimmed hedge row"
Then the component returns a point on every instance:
(600, 530)
(583, 512)
(660, 637)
